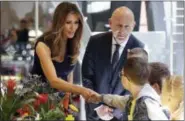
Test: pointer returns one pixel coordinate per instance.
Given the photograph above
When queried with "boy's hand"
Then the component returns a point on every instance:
(95, 98)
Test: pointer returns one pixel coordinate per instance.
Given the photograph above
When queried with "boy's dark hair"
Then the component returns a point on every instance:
(137, 70)
(158, 72)
(137, 52)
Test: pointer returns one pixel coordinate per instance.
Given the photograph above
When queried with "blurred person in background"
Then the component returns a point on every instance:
(172, 96)
(22, 33)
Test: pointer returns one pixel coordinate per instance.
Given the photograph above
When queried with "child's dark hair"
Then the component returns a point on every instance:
(137, 52)
(137, 70)
(158, 72)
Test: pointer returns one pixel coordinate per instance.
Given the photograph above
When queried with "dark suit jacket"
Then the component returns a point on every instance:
(97, 70)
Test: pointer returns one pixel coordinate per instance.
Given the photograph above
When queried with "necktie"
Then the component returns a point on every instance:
(115, 58)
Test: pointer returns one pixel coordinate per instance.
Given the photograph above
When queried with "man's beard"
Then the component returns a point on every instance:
(119, 41)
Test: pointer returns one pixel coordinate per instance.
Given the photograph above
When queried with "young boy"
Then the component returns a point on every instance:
(170, 88)
(172, 96)
(145, 102)
(159, 72)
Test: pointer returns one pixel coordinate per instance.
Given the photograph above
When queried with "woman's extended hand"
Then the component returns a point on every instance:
(88, 93)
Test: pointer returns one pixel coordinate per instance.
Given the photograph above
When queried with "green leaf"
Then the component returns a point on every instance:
(28, 101)
(42, 113)
(32, 109)
(54, 114)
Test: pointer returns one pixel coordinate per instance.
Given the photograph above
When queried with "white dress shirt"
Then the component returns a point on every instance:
(122, 46)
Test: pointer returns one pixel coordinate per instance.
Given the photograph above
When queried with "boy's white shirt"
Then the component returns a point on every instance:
(154, 108)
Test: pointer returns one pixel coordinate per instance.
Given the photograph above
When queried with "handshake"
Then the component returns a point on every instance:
(91, 96)
(94, 97)
(104, 112)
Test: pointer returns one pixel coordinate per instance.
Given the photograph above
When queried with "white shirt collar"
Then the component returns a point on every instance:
(122, 45)
(147, 90)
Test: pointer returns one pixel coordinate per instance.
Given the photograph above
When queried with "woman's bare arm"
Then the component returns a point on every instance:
(44, 53)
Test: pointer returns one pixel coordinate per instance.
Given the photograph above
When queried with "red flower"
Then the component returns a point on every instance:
(76, 98)
(36, 104)
(43, 98)
(20, 111)
(65, 101)
(52, 106)
(10, 86)
(25, 109)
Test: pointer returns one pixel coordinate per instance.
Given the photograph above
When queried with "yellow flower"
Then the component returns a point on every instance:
(74, 108)
(69, 118)
(24, 115)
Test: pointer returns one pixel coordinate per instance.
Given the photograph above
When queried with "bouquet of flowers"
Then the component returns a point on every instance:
(32, 99)
(12, 97)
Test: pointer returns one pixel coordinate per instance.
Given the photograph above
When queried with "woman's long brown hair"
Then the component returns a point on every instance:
(55, 38)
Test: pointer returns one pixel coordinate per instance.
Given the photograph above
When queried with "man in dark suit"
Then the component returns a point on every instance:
(101, 65)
